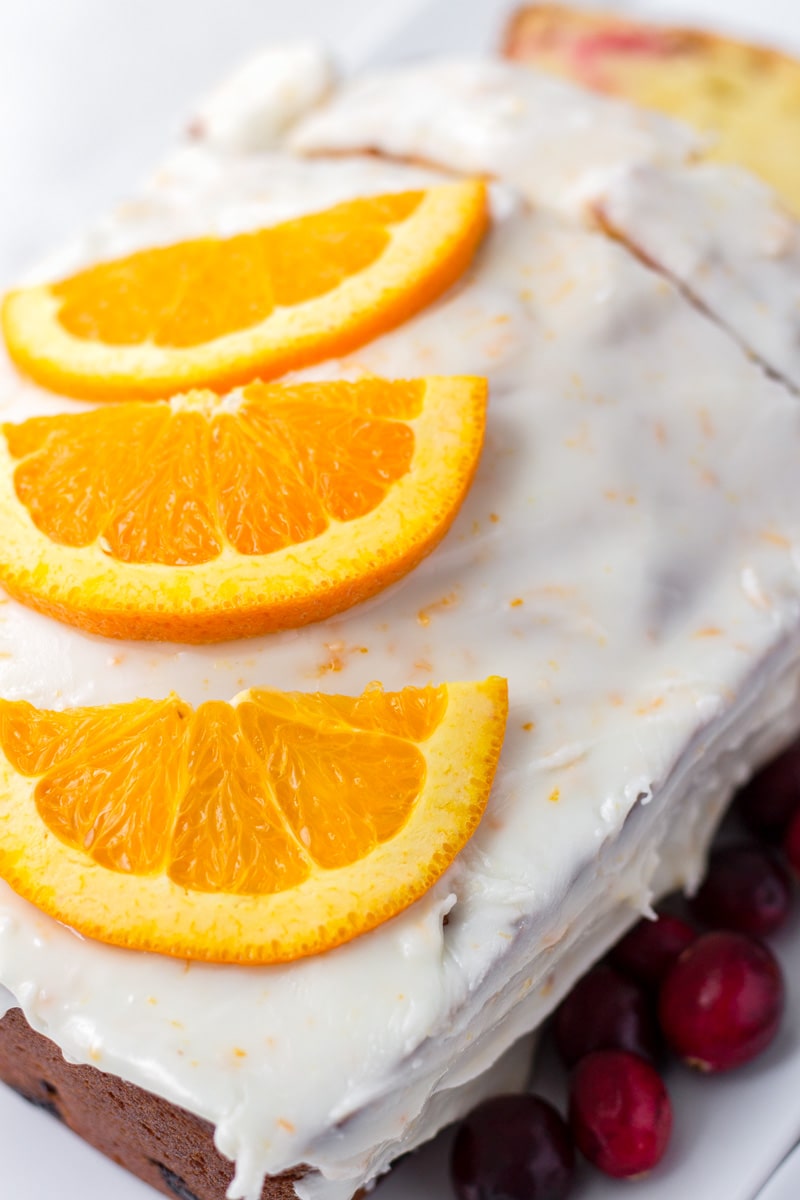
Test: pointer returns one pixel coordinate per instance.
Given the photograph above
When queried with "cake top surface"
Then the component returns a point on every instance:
(627, 557)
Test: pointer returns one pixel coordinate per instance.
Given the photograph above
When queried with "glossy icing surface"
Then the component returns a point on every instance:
(628, 557)
(547, 137)
(255, 107)
(725, 237)
(722, 234)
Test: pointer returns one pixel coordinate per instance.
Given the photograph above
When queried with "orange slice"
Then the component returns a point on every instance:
(264, 830)
(208, 518)
(216, 312)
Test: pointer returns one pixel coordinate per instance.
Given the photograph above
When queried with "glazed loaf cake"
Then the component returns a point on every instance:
(627, 557)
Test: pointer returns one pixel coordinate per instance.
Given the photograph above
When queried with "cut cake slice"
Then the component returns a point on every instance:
(747, 96)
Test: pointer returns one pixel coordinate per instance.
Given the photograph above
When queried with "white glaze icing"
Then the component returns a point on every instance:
(544, 135)
(725, 237)
(254, 107)
(719, 231)
(628, 556)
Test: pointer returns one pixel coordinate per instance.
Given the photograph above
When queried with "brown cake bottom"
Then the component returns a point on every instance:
(164, 1145)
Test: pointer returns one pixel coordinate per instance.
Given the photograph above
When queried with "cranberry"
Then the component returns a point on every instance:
(605, 1011)
(721, 1003)
(512, 1148)
(747, 889)
(651, 947)
(619, 1112)
(768, 803)
(791, 844)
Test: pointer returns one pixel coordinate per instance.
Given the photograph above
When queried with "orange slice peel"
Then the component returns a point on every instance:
(261, 831)
(218, 312)
(210, 518)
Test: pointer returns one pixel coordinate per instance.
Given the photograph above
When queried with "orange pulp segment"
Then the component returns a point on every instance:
(264, 830)
(216, 312)
(208, 518)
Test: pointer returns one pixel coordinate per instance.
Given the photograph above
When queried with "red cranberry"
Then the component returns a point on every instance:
(512, 1148)
(721, 1003)
(772, 797)
(605, 1011)
(619, 1112)
(791, 844)
(651, 947)
(747, 889)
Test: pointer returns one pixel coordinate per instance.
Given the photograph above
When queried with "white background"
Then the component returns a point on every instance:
(91, 91)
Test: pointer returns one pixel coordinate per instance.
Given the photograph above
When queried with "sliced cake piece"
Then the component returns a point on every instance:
(726, 239)
(722, 234)
(481, 116)
(748, 96)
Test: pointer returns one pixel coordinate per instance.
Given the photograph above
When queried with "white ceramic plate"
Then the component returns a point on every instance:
(730, 1132)
(785, 1183)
